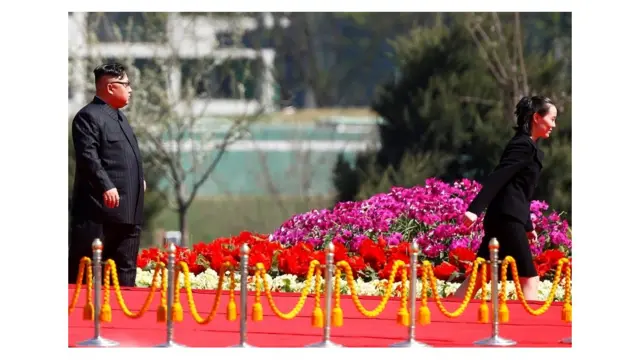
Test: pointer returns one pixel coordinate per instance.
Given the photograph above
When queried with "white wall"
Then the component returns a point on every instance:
(191, 39)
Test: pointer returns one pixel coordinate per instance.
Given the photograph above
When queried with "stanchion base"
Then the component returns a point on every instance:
(566, 340)
(243, 345)
(410, 344)
(170, 344)
(325, 344)
(495, 341)
(98, 342)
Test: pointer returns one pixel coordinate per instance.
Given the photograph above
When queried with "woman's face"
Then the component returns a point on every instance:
(543, 125)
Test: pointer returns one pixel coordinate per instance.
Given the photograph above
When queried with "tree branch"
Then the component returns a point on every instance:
(491, 45)
(476, 100)
(518, 39)
(228, 139)
(484, 54)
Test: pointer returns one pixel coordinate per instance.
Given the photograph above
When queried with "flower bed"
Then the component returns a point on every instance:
(208, 280)
(371, 234)
(430, 214)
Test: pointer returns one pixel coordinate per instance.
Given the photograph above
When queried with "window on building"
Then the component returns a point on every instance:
(226, 39)
(231, 79)
(144, 71)
(128, 26)
(150, 76)
(248, 39)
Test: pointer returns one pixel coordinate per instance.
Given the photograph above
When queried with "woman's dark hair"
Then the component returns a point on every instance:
(527, 106)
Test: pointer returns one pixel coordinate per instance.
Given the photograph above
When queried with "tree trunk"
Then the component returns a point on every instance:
(182, 222)
(509, 108)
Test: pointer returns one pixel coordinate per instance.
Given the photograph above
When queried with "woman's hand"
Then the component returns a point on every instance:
(469, 218)
(533, 237)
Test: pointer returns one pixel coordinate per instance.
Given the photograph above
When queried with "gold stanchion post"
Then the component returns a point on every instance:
(495, 339)
(244, 266)
(171, 280)
(97, 340)
(411, 341)
(328, 286)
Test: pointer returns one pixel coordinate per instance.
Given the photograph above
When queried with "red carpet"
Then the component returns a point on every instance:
(358, 331)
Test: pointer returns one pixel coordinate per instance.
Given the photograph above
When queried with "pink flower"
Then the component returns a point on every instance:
(430, 214)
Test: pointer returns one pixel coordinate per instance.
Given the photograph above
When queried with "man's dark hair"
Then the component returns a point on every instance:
(112, 70)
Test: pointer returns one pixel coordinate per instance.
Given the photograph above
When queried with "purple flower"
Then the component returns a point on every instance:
(394, 239)
(431, 214)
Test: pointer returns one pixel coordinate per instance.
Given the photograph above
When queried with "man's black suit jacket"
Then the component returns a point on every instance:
(107, 156)
(509, 189)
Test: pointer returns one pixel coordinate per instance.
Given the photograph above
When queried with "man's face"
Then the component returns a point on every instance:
(120, 90)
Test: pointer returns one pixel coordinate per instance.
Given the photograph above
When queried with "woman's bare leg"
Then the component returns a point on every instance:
(462, 290)
(530, 287)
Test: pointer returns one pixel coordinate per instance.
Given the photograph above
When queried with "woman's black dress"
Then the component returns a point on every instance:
(506, 194)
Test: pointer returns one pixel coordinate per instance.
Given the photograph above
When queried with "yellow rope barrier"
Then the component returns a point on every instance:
(192, 306)
(567, 308)
(161, 313)
(424, 316)
(483, 310)
(85, 263)
(504, 311)
(428, 280)
(257, 311)
(468, 295)
(317, 318)
(336, 314)
(303, 296)
(354, 294)
(231, 306)
(403, 312)
(110, 273)
(76, 293)
(177, 313)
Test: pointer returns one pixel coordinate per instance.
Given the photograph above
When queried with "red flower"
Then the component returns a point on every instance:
(146, 256)
(373, 255)
(256, 257)
(385, 272)
(195, 264)
(382, 242)
(356, 263)
(461, 256)
(296, 259)
(548, 261)
(340, 252)
(444, 271)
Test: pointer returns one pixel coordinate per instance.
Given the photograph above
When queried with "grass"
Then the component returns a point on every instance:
(210, 218)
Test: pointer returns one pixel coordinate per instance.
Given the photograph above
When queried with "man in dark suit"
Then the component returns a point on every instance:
(108, 192)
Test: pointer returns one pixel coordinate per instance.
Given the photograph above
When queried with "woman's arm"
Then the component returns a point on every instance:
(529, 226)
(518, 154)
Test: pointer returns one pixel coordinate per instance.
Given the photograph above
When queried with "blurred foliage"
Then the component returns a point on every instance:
(444, 111)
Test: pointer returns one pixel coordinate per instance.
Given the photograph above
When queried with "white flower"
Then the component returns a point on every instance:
(208, 280)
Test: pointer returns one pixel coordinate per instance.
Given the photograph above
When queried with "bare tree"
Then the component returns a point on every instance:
(500, 45)
(500, 39)
(297, 179)
(331, 58)
(193, 97)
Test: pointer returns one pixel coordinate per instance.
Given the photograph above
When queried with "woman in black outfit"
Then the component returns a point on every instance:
(508, 190)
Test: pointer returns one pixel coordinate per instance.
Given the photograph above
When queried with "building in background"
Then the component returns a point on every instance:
(286, 155)
(143, 37)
